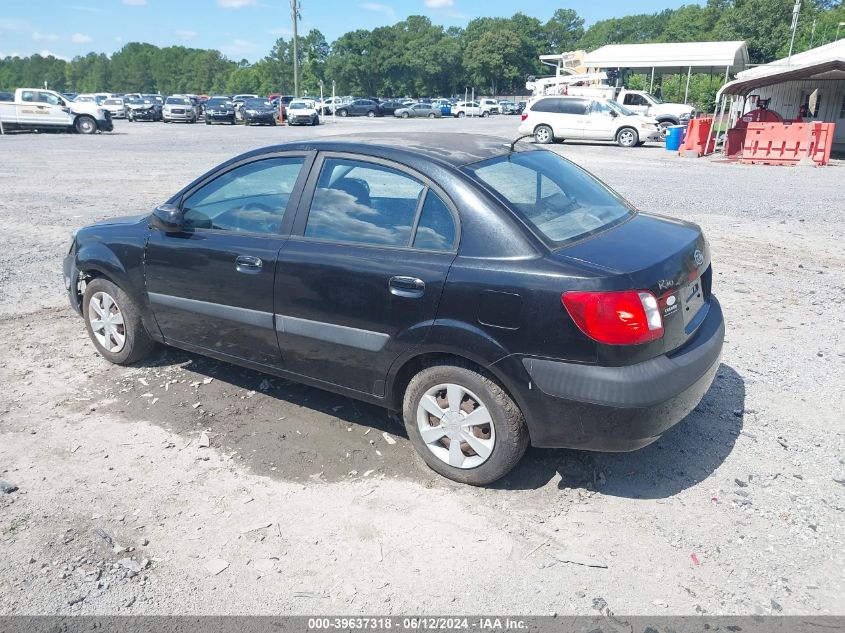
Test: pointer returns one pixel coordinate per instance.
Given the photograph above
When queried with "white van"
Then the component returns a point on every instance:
(551, 119)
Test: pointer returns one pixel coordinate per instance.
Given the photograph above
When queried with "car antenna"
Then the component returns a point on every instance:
(517, 140)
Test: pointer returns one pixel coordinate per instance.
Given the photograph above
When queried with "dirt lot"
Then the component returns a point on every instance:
(312, 503)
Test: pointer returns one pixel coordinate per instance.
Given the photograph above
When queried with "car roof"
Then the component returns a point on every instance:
(455, 150)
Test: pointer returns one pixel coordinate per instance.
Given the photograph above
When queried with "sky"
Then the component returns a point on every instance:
(245, 29)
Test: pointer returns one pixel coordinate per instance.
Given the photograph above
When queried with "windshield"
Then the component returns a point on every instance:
(653, 98)
(615, 105)
(257, 103)
(113, 102)
(177, 101)
(558, 199)
(298, 106)
(216, 103)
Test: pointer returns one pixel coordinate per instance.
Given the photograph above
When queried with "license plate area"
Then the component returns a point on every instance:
(692, 300)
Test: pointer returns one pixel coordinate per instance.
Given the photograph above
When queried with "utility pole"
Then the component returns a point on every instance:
(813, 34)
(795, 13)
(294, 16)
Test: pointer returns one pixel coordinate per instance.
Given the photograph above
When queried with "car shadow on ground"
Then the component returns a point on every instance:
(684, 456)
(288, 430)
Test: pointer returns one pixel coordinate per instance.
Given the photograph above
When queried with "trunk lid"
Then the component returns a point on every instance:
(666, 256)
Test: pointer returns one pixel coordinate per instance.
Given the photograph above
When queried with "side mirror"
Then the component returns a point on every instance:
(614, 113)
(167, 218)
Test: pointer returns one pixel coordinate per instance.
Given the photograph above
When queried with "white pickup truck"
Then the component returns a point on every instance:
(645, 103)
(36, 109)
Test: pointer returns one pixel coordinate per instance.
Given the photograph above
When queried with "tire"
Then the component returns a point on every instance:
(461, 114)
(371, 114)
(343, 113)
(405, 115)
(544, 135)
(131, 117)
(663, 128)
(431, 116)
(207, 122)
(85, 125)
(627, 137)
(273, 123)
(166, 120)
(316, 121)
(136, 343)
(504, 434)
(485, 114)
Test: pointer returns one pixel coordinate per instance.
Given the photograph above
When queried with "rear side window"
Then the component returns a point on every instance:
(545, 105)
(573, 106)
(559, 200)
(251, 198)
(369, 203)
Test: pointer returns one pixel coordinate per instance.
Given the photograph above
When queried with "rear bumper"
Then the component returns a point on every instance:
(619, 408)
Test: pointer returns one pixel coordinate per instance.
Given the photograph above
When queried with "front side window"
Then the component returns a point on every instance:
(559, 200)
(251, 198)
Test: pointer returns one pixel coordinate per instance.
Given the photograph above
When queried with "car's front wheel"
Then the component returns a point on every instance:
(544, 135)
(371, 113)
(114, 323)
(627, 137)
(86, 125)
(463, 424)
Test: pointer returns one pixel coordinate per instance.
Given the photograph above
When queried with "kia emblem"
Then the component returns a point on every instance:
(698, 256)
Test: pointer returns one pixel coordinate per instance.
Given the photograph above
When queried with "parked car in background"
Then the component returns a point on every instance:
(418, 110)
(468, 108)
(490, 106)
(358, 107)
(70, 96)
(145, 108)
(495, 297)
(303, 112)
(522, 105)
(8, 96)
(178, 109)
(552, 119)
(444, 104)
(259, 112)
(36, 109)
(508, 107)
(387, 108)
(116, 106)
(91, 98)
(219, 110)
(283, 102)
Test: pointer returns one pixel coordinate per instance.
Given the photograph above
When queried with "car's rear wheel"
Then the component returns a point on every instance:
(544, 135)
(432, 115)
(463, 424)
(405, 115)
(627, 137)
(485, 114)
(371, 114)
(85, 125)
(461, 114)
(343, 113)
(114, 323)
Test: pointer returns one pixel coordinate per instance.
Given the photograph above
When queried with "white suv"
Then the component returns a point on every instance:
(551, 119)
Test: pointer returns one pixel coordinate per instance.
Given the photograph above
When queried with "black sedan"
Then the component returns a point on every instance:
(258, 111)
(219, 110)
(496, 295)
(359, 107)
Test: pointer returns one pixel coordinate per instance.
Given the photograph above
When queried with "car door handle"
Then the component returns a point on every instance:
(248, 264)
(409, 287)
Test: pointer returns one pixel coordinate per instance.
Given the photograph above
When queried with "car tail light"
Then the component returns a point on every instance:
(524, 116)
(630, 317)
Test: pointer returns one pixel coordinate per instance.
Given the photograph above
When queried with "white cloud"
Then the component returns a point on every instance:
(280, 31)
(84, 9)
(379, 8)
(439, 4)
(239, 47)
(46, 53)
(235, 4)
(4, 55)
(135, 3)
(186, 34)
(44, 37)
(80, 38)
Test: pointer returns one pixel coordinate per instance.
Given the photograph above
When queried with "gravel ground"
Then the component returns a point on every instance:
(306, 502)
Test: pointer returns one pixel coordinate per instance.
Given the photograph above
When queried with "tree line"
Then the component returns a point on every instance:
(416, 57)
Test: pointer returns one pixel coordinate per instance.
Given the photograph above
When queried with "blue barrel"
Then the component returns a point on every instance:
(675, 137)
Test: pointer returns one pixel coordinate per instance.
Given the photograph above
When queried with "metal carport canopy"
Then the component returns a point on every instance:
(671, 58)
(823, 62)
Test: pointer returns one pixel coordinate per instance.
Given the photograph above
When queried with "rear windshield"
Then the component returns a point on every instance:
(559, 200)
